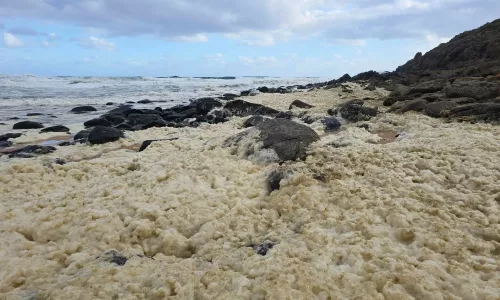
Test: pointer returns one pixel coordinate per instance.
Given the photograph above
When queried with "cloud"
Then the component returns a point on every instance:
(257, 60)
(196, 38)
(264, 22)
(11, 41)
(24, 31)
(52, 36)
(97, 43)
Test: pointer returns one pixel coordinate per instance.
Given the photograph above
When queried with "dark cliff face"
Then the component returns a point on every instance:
(472, 48)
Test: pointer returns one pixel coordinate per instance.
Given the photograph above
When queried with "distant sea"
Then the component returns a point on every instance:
(54, 96)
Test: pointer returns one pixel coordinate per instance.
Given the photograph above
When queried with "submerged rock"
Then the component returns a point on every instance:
(5, 144)
(33, 114)
(101, 135)
(83, 109)
(145, 101)
(28, 125)
(31, 151)
(57, 128)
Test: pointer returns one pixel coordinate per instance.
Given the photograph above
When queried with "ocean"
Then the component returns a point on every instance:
(53, 97)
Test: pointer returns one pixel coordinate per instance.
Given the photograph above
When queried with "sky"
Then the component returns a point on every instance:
(288, 38)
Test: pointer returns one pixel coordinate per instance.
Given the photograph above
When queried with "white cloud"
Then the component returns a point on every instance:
(11, 41)
(263, 22)
(257, 60)
(45, 43)
(52, 36)
(197, 38)
(97, 43)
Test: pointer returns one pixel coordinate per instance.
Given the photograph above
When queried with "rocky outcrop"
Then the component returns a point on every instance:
(478, 89)
(354, 111)
(28, 125)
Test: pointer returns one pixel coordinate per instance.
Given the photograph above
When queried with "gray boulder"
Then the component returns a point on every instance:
(101, 135)
(300, 104)
(355, 111)
(439, 109)
(281, 139)
(242, 108)
(414, 105)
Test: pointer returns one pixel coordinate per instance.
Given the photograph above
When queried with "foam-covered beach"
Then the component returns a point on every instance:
(415, 216)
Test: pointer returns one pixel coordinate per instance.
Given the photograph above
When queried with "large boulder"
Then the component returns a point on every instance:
(57, 128)
(83, 109)
(355, 111)
(146, 120)
(82, 136)
(101, 135)
(242, 108)
(254, 121)
(274, 140)
(120, 110)
(28, 125)
(477, 89)
(331, 124)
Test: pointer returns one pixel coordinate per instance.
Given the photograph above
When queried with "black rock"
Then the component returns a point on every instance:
(331, 124)
(344, 78)
(263, 248)
(263, 89)
(480, 90)
(5, 144)
(274, 178)
(145, 101)
(27, 125)
(217, 116)
(130, 102)
(53, 117)
(285, 115)
(158, 109)
(7, 136)
(124, 126)
(146, 143)
(141, 112)
(14, 118)
(430, 86)
(146, 120)
(364, 126)
(229, 96)
(300, 104)
(245, 93)
(288, 139)
(97, 122)
(57, 128)
(370, 87)
(31, 151)
(205, 105)
(83, 109)
(114, 118)
(355, 111)
(33, 114)
(479, 111)
(243, 109)
(309, 119)
(64, 144)
(254, 121)
(439, 108)
(115, 258)
(173, 117)
(101, 135)
(83, 135)
(110, 103)
(414, 105)
(59, 161)
(120, 110)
